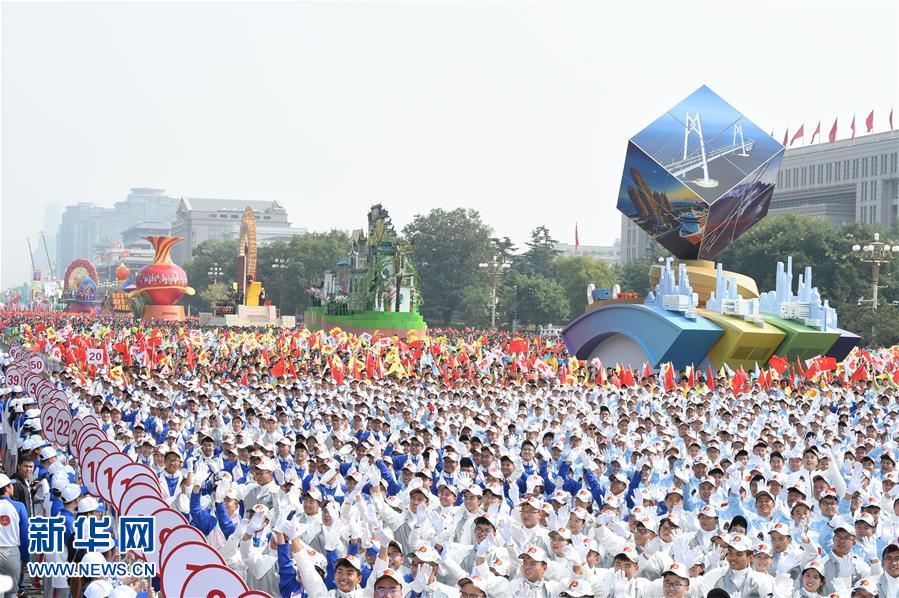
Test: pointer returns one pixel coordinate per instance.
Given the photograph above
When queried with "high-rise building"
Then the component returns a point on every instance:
(88, 230)
(203, 219)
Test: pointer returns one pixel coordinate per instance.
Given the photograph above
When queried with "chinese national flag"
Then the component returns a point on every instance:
(786, 136)
(278, 369)
(646, 371)
(861, 373)
(518, 345)
(869, 122)
(577, 239)
(710, 377)
(669, 377)
(852, 126)
(799, 133)
(816, 133)
(833, 132)
(778, 363)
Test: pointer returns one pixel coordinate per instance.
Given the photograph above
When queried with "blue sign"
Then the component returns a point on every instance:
(93, 535)
(137, 533)
(45, 534)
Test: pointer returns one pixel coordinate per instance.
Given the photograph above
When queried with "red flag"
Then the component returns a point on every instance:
(816, 133)
(691, 381)
(669, 377)
(896, 376)
(577, 239)
(869, 122)
(244, 381)
(278, 369)
(799, 367)
(710, 377)
(601, 375)
(861, 373)
(627, 378)
(518, 345)
(778, 363)
(786, 136)
(646, 371)
(852, 126)
(189, 357)
(799, 133)
(891, 118)
(337, 371)
(833, 131)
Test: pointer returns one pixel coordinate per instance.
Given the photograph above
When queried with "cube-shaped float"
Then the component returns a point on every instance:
(699, 176)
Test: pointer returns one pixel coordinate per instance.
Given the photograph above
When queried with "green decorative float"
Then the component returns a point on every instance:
(375, 287)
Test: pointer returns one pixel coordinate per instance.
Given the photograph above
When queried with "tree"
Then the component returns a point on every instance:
(538, 299)
(215, 292)
(449, 245)
(575, 272)
(223, 253)
(475, 307)
(540, 256)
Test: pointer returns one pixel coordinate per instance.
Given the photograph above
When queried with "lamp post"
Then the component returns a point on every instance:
(494, 268)
(279, 265)
(875, 253)
(214, 272)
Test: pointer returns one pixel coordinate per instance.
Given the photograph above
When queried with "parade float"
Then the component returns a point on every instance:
(696, 179)
(375, 287)
(81, 292)
(119, 299)
(246, 304)
(161, 284)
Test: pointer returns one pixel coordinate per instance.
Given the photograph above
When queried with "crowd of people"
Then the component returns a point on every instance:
(464, 464)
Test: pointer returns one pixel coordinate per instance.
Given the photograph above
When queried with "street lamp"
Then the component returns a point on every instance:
(875, 253)
(214, 272)
(279, 264)
(493, 268)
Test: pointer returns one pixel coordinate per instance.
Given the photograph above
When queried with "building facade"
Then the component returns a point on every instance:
(850, 180)
(87, 230)
(607, 253)
(202, 219)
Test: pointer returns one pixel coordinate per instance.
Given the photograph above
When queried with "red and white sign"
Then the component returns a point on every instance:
(94, 356)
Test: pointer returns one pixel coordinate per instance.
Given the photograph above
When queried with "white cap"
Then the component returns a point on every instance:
(71, 492)
(98, 589)
(88, 504)
(4, 480)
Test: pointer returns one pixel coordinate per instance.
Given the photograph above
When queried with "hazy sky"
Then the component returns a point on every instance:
(520, 110)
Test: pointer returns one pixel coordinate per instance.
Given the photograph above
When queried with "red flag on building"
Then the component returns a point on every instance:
(799, 133)
(833, 131)
(577, 239)
(869, 122)
(852, 126)
(891, 118)
(816, 133)
(786, 136)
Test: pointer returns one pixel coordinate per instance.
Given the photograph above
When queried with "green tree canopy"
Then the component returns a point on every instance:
(449, 245)
(575, 272)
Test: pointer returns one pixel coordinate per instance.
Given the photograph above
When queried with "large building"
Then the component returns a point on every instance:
(850, 180)
(202, 219)
(87, 230)
(606, 253)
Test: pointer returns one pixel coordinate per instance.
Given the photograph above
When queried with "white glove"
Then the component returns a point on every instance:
(257, 522)
(620, 584)
(221, 490)
(331, 535)
(787, 563)
(420, 582)
(869, 548)
(420, 514)
(484, 545)
(652, 546)
(572, 556)
(713, 558)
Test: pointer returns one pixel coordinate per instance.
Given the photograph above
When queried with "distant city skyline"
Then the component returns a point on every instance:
(519, 110)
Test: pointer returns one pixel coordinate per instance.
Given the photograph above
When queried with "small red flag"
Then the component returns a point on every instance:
(816, 133)
(852, 126)
(786, 136)
(577, 239)
(710, 377)
(278, 369)
(833, 131)
(891, 118)
(799, 133)
(646, 371)
(869, 122)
